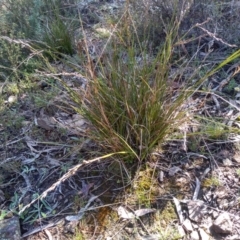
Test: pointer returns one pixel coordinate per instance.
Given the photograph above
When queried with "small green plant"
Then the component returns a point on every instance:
(163, 223)
(40, 210)
(22, 16)
(44, 98)
(18, 64)
(210, 128)
(78, 235)
(78, 203)
(231, 86)
(30, 17)
(58, 37)
(170, 232)
(238, 172)
(212, 181)
(215, 130)
(145, 187)
(11, 57)
(3, 214)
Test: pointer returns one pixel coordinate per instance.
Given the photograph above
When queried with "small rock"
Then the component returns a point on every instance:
(194, 235)
(203, 234)
(223, 203)
(195, 225)
(151, 237)
(234, 237)
(221, 192)
(173, 170)
(196, 210)
(187, 225)
(181, 231)
(215, 214)
(129, 230)
(207, 224)
(236, 157)
(227, 162)
(70, 227)
(12, 99)
(222, 224)
(10, 229)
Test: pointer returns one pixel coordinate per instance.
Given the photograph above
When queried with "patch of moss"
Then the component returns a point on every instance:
(168, 213)
(146, 187)
(163, 220)
(78, 235)
(212, 181)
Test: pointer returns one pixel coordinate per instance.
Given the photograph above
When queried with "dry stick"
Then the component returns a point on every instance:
(70, 173)
(178, 209)
(82, 211)
(222, 98)
(41, 228)
(197, 189)
(214, 37)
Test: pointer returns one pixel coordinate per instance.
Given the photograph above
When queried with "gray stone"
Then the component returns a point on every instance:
(203, 234)
(10, 229)
(181, 231)
(196, 210)
(194, 235)
(236, 156)
(215, 214)
(222, 224)
(187, 225)
(227, 162)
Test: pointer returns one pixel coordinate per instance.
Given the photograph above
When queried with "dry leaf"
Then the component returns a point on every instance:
(173, 170)
(123, 213)
(144, 211)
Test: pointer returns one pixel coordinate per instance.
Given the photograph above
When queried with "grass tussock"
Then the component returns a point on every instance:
(134, 103)
(131, 101)
(58, 37)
